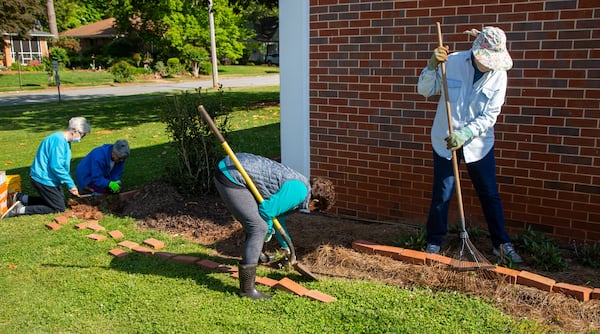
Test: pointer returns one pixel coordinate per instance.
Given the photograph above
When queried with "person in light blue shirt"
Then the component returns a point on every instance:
(101, 170)
(49, 171)
(477, 81)
(283, 189)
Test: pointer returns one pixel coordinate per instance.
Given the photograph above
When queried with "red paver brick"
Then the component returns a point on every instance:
(97, 237)
(412, 256)
(93, 225)
(266, 281)
(595, 294)
(118, 252)
(164, 255)
(319, 296)
(128, 244)
(82, 225)
(53, 226)
(535, 281)
(288, 285)
(143, 250)
(581, 293)
(364, 246)
(98, 215)
(226, 269)
(389, 251)
(509, 275)
(185, 259)
(157, 244)
(61, 219)
(235, 274)
(437, 259)
(208, 264)
(116, 234)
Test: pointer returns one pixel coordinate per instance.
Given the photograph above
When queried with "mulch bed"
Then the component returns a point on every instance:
(323, 244)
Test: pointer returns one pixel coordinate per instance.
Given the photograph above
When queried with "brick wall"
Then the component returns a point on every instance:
(370, 129)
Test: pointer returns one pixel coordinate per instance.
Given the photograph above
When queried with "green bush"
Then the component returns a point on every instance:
(122, 71)
(589, 255)
(60, 55)
(197, 150)
(544, 251)
(160, 68)
(416, 241)
(205, 67)
(173, 63)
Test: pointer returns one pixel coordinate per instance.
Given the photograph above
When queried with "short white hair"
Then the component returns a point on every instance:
(80, 125)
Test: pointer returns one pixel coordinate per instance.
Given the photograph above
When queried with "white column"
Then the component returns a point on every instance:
(294, 83)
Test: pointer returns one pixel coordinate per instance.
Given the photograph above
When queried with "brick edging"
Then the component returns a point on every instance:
(512, 276)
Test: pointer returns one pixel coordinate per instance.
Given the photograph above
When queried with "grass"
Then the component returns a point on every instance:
(61, 281)
(12, 81)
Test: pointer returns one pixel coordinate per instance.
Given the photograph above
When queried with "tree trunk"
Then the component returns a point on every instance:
(52, 18)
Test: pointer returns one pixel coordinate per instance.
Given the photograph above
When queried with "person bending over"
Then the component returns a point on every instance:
(101, 170)
(284, 190)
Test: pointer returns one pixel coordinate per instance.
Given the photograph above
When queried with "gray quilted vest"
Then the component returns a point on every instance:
(267, 175)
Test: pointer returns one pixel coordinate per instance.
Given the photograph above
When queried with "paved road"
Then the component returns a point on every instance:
(51, 95)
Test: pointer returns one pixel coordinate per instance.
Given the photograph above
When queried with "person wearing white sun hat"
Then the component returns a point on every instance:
(477, 81)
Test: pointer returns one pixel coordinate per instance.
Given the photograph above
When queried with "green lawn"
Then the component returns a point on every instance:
(13, 81)
(62, 282)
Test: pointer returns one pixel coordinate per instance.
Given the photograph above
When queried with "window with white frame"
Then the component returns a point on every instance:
(24, 51)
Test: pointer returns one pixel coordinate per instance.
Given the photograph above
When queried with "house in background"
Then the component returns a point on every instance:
(25, 50)
(93, 35)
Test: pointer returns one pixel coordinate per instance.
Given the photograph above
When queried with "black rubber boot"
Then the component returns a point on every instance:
(247, 277)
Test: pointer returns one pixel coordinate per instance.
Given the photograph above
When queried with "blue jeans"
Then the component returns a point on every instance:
(483, 176)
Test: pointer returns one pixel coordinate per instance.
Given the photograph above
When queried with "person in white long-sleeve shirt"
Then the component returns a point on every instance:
(477, 81)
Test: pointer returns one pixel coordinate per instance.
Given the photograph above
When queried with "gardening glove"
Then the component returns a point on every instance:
(440, 55)
(115, 186)
(270, 231)
(458, 138)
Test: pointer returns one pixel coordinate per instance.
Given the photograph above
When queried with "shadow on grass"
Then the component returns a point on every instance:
(116, 112)
(136, 263)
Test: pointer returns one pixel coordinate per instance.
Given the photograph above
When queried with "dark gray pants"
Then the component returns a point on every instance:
(51, 200)
(243, 206)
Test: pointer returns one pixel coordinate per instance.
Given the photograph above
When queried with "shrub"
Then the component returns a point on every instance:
(197, 150)
(60, 55)
(416, 241)
(173, 62)
(122, 71)
(589, 255)
(160, 68)
(544, 251)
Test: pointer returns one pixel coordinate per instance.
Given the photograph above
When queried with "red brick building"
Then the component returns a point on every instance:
(369, 129)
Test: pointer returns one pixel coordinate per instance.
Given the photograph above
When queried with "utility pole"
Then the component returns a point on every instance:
(52, 19)
(213, 45)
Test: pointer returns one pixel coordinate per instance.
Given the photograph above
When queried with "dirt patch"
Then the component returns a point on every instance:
(323, 245)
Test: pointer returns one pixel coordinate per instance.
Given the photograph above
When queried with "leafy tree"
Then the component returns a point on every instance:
(19, 16)
(171, 24)
(194, 56)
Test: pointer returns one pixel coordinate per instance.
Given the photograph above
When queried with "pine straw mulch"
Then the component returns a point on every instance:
(323, 244)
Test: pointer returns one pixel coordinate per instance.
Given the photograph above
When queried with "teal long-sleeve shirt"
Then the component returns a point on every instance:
(288, 197)
(52, 163)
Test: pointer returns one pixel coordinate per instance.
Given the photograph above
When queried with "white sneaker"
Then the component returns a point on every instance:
(432, 249)
(13, 210)
(507, 250)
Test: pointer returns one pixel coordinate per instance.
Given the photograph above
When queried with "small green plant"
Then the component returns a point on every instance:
(122, 71)
(589, 255)
(472, 230)
(544, 251)
(197, 150)
(161, 68)
(416, 240)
